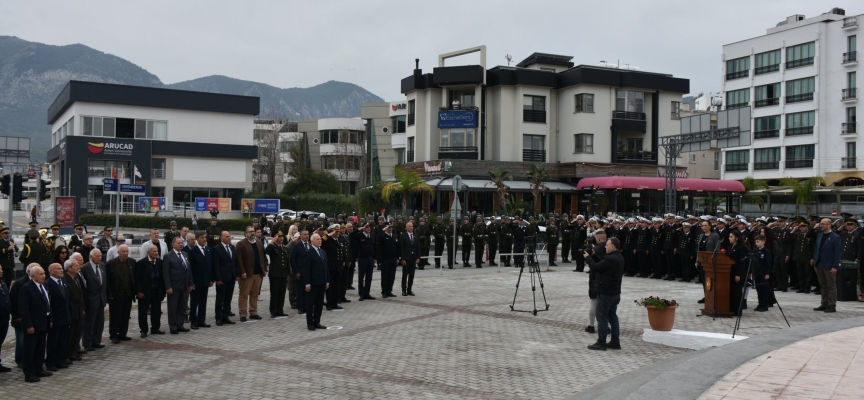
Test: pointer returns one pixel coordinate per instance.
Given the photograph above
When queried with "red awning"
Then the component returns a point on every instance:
(636, 182)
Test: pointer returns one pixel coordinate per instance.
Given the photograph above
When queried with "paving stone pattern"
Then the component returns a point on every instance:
(456, 339)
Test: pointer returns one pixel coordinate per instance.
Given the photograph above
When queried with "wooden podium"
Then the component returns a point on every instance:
(721, 265)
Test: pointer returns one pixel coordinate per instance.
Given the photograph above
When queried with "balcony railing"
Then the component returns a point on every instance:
(849, 22)
(768, 102)
(534, 155)
(799, 97)
(849, 57)
(736, 105)
(157, 173)
(736, 167)
(847, 162)
(799, 163)
(799, 62)
(534, 116)
(847, 127)
(410, 119)
(676, 115)
(767, 165)
(636, 156)
(767, 68)
(409, 156)
(801, 130)
(850, 93)
(628, 115)
(768, 133)
(737, 74)
(457, 153)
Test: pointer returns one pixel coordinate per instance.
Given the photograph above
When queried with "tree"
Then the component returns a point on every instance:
(712, 203)
(536, 175)
(515, 206)
(804, 190)
(498, 177)
(407, 183)
(750, 185)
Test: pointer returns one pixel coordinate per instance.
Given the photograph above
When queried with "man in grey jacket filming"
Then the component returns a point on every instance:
(609, 273)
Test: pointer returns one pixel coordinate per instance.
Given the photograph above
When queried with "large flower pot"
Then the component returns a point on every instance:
(661, 320)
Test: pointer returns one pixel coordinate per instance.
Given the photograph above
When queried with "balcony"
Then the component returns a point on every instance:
(847, 128)
(799, 62)
(850, 22)
(768, 102)
(736, 167)
(850, 57)
(737, 74)
(534, 155)
(157, 173)
(850, 94)
(534, 116)
(767, 68)
(736, 105)
(800, 130)
(409, 156)
(629, 115)
(799, 97)
(847, 163)
(799, 163)
(457, 153)
(411, 119)
(768, 133)
(767, 165)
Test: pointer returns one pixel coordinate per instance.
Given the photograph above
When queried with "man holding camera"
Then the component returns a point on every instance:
(598, 251)
(609, 272)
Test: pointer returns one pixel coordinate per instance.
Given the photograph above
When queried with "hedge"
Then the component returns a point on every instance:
(95, 222)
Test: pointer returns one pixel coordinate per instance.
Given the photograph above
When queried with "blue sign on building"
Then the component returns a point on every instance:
(457, 119)
(266, 205)
(109, 186)
(133, 189)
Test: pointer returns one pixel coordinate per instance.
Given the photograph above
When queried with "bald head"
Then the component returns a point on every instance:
(825, 224)
(123, 252)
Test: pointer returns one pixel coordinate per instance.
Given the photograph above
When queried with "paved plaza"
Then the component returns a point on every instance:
(456, 339)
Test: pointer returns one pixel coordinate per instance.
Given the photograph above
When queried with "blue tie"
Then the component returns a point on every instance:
(182, 260)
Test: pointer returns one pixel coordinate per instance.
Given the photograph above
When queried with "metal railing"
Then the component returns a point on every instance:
(768, 133)
(736, 167)
(847, 127)
(767, 68)
(157, 173)
(768, 102)
(767, 165)
(799, 62)
(676, 115)
(799, 97)
(850, 93)
(850, 21)
(410, 119)
(801, 130)
(847, 162)
(629, 115)
(807, 163)
(636, 156)
(534, 116)
(534, 155)
(736, 105)
(457, 149)
(849, 57)
(737, 74)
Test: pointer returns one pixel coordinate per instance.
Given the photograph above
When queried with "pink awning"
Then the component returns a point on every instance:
(636, 182)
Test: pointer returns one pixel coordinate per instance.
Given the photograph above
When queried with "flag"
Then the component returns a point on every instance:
(113, 173)
(137, 172)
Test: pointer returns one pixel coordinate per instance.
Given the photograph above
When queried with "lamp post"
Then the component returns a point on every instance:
(185, 202)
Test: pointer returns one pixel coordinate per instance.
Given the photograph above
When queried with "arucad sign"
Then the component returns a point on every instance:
(110, 149)
(457, 119)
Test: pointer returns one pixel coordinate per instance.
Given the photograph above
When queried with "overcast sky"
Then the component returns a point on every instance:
(374, 43)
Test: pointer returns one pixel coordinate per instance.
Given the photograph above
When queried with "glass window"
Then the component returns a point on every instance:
(736, 160)
(800, 86)
(768, 158)
(804, 152)
(71, 124)
(850, 114)
(585, 102)
(584, 143)
(851, 43)
(850, 79)
(771, 91)
(630, 101)
(717, 160)
(676, 109)
(738, 64)
(801, 52)
(87, 126)
(159, 130)
(457, 137)
(399, 124)
(532, 142)
(767, 127)
(768, 59)
(140, 129)
(802, 119)
(108, 127)
(737, 98)
(536, 103)
(850, 149)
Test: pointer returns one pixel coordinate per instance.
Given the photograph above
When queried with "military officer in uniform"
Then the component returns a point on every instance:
(449, 234)
(801, 241)
(77, 240)
(781, 269)
(7, 256)
(423, 236)
(493, 234)
(479, 235)
(173, 232)
(214, 233)
(520, 237)
(628, 247)
(580, 235)
(552, 241)
(643, 247)
(440, 232)
(685, 252)
(465, 232)
(533, 230)
(656, 248)
(279, 271)
(399, 226)
(850, 241)
(58, 240)
(668, 264)
(33, 251)
(565, 236)
(506, 239)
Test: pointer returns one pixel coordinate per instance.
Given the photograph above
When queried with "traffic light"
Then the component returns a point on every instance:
(5, 187)
(17, 190)
(44, 191)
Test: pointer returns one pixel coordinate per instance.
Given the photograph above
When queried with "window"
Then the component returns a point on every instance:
(125, 128)
(800, 55)
(399, 124)
(800, 123)
(800, 156)
(851, 43)
(768, 61)
(584, 102)
(158, 166)
(534, 109)
(456, 138)
(71, 131)
(629, 101)
(676, 110)
(738, 68)
(849, 160)
(153, 130)
(464, 97)
(340, 162)
(768, 158)
(98, 126)
(107, 169)
(850, 114)
(767, 127)
(584, 143)
(737, 98)
(717, 160)
(736, 160)
(692, 158)
(768, 95)
(849, 125)
(532, 148)
(411, 109)
(800, 90)
(335, 136)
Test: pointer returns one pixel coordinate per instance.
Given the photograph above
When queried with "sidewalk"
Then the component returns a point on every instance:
(828, 366)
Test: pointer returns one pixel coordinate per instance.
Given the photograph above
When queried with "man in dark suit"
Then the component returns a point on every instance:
(15, 297)
(178, 284)
(201, 258)
(409, 255)
(5, 312)
(95, 298)
(34, 307)
(364, 254)
(150, 291)
(295, 258)
(61, 311)
(121, 293)
(388, 256)
(225, 275)
(76, 301)
(315, 280)
(826, 261)
(252, 268)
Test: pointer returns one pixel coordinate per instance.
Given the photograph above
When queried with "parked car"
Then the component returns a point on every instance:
(165, 214)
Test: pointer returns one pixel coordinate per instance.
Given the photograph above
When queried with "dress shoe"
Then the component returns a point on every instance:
(702, 301)
(615, 346)
(115, 341)
(319, 326)
(410, 293)
(173, 332)
(195, 327)
(479, 266)
(391, 294)
(565, 262)
(493, 264)
(143, 335)
(344, 300)
(820, 308)
(5, 369)
(817, 292)
(152, 332)
(125, 338)
(182, 329)
(89, 349)
(204, 325)
(761, 309)
(361, 299)
(43, 374)
(404, 293)
(311, 328)
(254, 317)
(81, 351)
(77, 358)
(597, 346)
(51, 368)
(590, 329)
(218, 323)
(32, 379)
(831, 310)
(98, 346)
(63, 366)
(337, 308)
(351, 288)
(231, 314)
(367, 297)
(228, 321)
(553, 264)
(242, 319)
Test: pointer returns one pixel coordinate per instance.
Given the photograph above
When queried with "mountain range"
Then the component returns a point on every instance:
(32, 74)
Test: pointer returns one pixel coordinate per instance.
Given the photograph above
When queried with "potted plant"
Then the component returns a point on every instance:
(661, 312)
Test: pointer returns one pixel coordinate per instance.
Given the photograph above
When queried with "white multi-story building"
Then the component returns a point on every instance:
(799, 80)
(338, 146)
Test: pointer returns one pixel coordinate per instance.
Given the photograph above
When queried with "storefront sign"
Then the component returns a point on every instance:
(207, 204)
(398, 108)
(457, 119)
(64, 211)
(259, 205)
(129, 189)
(661, 172)
(109, 186)
(110, 148)
(148, 204)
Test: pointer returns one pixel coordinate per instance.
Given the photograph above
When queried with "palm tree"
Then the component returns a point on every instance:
(804, 190)
(712, 203)
(536, 175)
(407, 183)
(515, 206)
(751, 184)
(498, 176)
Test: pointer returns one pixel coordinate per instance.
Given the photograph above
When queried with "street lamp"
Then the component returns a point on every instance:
(185, 201)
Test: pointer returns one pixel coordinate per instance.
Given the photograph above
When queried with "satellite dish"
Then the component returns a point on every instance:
(385, 130)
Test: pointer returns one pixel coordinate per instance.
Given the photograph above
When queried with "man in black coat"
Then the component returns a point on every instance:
(150, 291)
(15, 297)
(388, 256)
(5, 312)
(409, 255)
(178, 285)
(315, 280)
(295, 258)
(364, 254)
(73, 281)
(95, 299)
(225, 276)
(201, 258)
(61, 311)
(335, 252)
(34, 307)
(121, 294)
(609, 273)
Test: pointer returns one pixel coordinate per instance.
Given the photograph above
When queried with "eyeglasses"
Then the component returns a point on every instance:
(109, 230)
(121, 240)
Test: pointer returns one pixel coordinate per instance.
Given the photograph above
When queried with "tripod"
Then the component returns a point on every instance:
(741, 301)
(533, 268)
